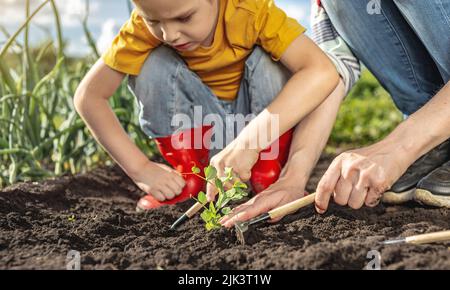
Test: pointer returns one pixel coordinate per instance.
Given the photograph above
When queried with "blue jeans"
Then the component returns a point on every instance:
(406, 46)
(166, 89)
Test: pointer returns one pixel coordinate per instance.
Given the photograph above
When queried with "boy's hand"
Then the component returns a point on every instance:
(236, 156)
(281, 192)
(159, 180)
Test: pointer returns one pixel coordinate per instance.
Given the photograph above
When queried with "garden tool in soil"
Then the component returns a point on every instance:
(242, 227)
(443, 236)
(266, 172)
(183, 151)
(187, 215)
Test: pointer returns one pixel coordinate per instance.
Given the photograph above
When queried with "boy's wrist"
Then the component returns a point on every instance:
(299, 166)
(245, 142)
(136, 169)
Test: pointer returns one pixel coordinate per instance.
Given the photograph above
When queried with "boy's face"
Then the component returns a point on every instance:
(182, 24)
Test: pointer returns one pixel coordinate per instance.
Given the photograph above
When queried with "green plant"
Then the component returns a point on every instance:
(213, 212)
(41, 135)
(367, 115)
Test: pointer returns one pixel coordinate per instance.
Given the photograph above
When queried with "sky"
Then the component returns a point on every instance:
(105, 19)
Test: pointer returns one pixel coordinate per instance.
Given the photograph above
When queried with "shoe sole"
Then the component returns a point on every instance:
(426, 197)
(391, 197)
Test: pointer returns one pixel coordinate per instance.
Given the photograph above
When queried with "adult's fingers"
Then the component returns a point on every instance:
(327, 185)
(357, 197)
(342, 191)
(373, 198)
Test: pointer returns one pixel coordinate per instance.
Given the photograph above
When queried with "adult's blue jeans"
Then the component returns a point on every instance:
(405, 44)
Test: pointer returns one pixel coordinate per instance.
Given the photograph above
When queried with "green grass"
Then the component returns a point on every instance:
(41, 135)
(367, 115)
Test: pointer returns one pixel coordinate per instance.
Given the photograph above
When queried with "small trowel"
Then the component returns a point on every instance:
(242, 227)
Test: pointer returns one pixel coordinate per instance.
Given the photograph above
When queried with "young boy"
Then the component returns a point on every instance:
(226, 57)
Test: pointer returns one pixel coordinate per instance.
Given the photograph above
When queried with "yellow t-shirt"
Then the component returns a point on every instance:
(242, 24)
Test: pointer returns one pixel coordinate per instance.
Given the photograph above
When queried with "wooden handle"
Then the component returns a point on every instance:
(429, 238)
(292, 206)
(194, 209)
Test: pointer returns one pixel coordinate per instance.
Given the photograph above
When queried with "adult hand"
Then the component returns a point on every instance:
(359, 177)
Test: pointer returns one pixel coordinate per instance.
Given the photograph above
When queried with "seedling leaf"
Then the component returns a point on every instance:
(210, 172)
(219, 185)
(206, 216)
(240, 184)
(214, 211)
(226, 210)
(202, 197)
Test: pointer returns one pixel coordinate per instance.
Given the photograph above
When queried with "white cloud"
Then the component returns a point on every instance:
(71, 11)
(74, 10)
(78, 47)
(105, 19)
(77, 50)
(298, 11)
(109, 30)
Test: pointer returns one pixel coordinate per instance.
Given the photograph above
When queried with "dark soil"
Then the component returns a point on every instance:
(94, 214)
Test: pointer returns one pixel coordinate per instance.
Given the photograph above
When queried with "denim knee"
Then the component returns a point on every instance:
(168, 93)
(264, 79)
(154, 89)
(387, 44)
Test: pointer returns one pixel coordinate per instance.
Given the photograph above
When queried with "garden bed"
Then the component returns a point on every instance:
(94, 214)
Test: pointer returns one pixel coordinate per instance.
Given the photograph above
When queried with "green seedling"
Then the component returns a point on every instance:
(71, 218)
(214, 211)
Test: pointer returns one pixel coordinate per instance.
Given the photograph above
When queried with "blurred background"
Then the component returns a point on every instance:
(105, 20)
(47, 46)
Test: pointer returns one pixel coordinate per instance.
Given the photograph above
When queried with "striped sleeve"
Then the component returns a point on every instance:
(328, 39)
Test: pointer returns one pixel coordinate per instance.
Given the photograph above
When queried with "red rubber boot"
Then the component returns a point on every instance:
(180, 152)
(266, 172)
